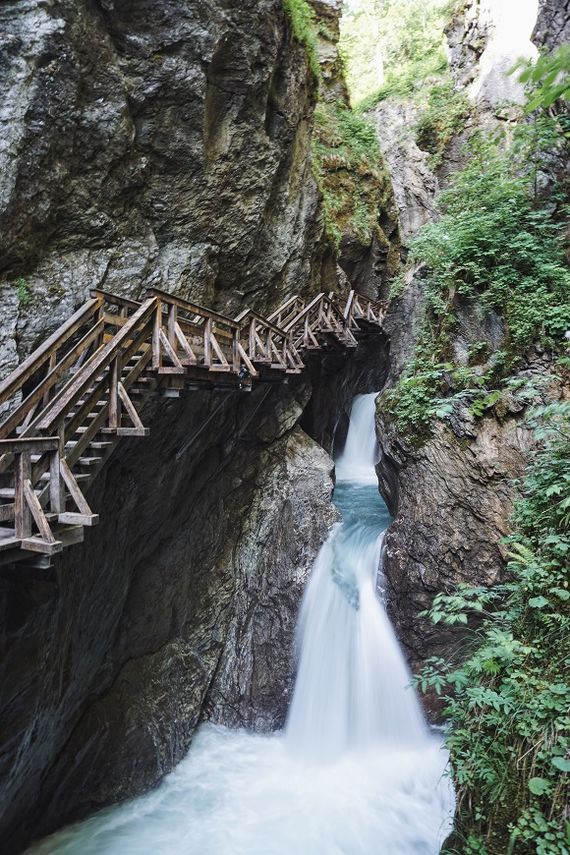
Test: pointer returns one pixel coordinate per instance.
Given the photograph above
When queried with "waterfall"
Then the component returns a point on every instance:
(360, 455)
(356, 772)
(351, 682)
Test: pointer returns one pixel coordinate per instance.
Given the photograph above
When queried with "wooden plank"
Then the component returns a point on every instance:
(29, 366)
(248, 363)
(72, 518)
(114, 404)
(29, 445)
(95, 365)
(74, 489)
(218, 351)
(114, 299)
(170, 350)
(37, 512)
(36, 544)
(185, 345)
(22, 514)
(130, 408)
(194, 308)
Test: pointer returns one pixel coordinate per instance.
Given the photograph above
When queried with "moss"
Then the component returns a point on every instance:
(351, 174)
(23, 291)
(444, 116)
(302, 20)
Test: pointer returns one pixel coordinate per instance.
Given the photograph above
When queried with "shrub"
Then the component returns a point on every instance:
(499, 245)
(350, 172)
(443, 117)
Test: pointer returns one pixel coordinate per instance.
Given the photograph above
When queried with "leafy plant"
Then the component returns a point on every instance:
(499, 247)
(548, 79)
(23, 292)
(443, 117)
(508, 703)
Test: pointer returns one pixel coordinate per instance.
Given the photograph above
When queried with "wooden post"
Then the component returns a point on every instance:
(114, 398)
(208, 343)
(236, 361)
(252, 348)
(56, 487)
(172, 318)
(49, 392)
(22, 474)
(156, 352)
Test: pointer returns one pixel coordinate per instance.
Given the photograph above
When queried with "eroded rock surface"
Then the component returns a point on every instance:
(182, 603)
(146, 144)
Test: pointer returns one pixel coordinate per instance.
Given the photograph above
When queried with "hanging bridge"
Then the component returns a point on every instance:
(69, 403)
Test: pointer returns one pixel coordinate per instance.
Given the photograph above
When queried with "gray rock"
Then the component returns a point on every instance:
(180, 605)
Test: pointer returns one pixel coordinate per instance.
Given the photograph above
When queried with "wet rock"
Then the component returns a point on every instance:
(180, 605)
(452, 498)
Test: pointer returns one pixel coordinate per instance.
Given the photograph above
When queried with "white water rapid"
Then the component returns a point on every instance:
(356, 771)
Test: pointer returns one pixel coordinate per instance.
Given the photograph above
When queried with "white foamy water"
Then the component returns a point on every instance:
(356, 771)
(361, 452)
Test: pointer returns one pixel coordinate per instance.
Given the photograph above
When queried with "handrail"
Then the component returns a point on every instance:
(115, 299)
(192, 308)
(36, 360)
(101, 359)
(251, 313)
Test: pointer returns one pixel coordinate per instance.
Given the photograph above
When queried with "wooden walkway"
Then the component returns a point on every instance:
(69, 403)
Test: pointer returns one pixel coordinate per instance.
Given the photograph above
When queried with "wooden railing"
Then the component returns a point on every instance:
(71, 400)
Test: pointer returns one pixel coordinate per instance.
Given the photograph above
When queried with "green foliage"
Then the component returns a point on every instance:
(302, 19)
(443, 117)
(508, 703)
(350, 172)
(392, 46)
(548, 78)
(23, 291)
(498, 247)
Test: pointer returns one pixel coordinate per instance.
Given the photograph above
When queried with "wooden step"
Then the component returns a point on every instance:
(89, 461)
(9, 492)
(101, 445)
(79, 476)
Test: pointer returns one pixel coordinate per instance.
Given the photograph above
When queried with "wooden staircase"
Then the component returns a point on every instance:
(69, 403)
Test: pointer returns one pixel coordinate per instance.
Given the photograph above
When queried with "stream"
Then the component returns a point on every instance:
(356, 771)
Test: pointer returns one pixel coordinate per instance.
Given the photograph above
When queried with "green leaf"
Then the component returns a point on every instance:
(539, 786)
(561, 763)
(538, 602)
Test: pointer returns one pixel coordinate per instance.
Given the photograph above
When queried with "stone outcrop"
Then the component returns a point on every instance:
(553, 24)
(180, 605)
(160, 144)
(451, 495)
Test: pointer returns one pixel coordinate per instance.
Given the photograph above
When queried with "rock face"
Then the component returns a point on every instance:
(182, 604)
(415, 185)
(157, 144)
(553, 24)
(451, 497)
(160, 144)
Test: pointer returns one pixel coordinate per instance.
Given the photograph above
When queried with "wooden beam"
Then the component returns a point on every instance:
(74, 489)
(130, 408)
(37, 512)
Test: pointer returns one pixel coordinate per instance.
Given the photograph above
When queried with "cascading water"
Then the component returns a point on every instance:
(351, 682)
(356, 771)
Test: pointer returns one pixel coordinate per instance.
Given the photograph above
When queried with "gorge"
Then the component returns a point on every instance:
(313, 294)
